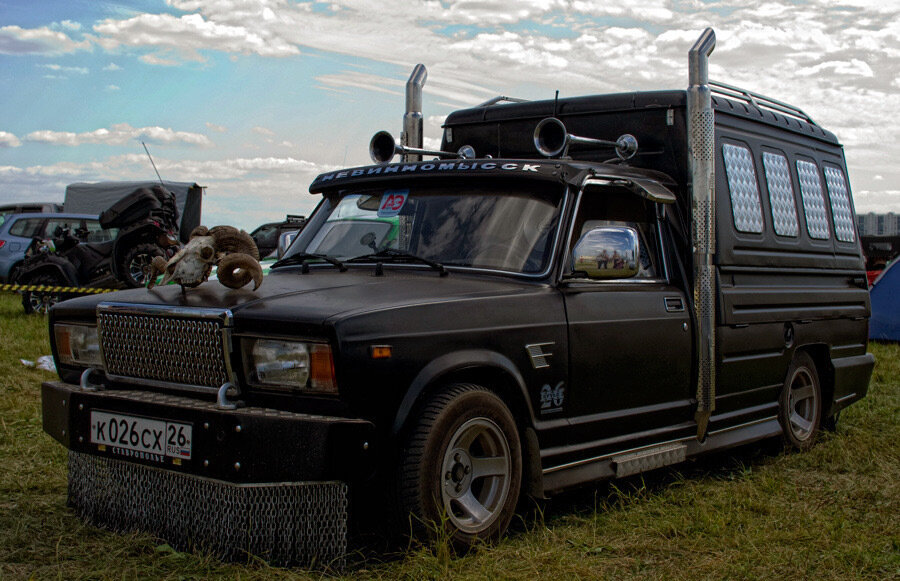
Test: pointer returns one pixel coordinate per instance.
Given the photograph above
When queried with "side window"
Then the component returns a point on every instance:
(54, 227)
(26, 228)
(813, 200)
(742, 185)
(781, 194)
(841, 212)
(96, 233)
(618, 207)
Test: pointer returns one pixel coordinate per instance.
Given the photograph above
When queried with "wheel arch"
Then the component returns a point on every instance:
(66, 271)
(489, 369)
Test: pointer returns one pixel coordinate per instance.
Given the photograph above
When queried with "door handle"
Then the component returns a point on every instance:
(674, 304)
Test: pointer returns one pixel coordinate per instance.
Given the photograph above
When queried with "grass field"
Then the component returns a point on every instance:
(751, 513)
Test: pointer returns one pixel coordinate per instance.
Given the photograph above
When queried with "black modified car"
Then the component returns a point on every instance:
(571, 290)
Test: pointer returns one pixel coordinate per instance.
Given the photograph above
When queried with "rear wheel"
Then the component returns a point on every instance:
(41, 301)
(135, 266)
(800, 403)
(461, 469)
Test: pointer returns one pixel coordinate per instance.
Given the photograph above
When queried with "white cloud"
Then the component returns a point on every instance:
(18, 40)
(216, 128)
(65, 70)
(186, 36)
(112, 67)
(119, 134)
(70, 25)
(263, 131)
(113, 88)
(9, 140)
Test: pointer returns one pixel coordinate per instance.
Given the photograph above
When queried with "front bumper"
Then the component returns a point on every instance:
(244, 445)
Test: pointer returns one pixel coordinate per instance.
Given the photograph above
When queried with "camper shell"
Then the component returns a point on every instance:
(661, 275)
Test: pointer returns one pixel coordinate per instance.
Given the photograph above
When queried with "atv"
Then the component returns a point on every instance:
(145, 223)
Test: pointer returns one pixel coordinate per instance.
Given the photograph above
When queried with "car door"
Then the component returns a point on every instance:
(629, 337)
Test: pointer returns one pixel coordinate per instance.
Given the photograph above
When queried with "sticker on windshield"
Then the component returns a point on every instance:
(392, 202)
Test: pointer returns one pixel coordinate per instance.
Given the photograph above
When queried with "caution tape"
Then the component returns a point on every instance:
(53, 288)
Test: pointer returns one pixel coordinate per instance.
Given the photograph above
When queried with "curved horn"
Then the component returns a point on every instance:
(199, 231)
(237, 269)
(157, 267)
(229, 239)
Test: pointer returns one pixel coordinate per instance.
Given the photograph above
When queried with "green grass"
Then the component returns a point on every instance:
(751, 513)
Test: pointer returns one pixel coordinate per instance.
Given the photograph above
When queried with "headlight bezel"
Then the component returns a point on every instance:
(295, 366)
(78, 345)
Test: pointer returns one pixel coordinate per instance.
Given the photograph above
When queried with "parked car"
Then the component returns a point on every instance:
(544, 306)
(268, 235)
(18, 230)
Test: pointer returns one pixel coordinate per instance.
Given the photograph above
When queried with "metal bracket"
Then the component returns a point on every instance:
(86, 384)
(222, 401)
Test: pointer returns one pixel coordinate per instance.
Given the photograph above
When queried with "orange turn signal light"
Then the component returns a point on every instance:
(380, 351)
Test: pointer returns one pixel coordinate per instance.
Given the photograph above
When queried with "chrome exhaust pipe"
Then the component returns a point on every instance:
(412, 136)
(701, 153)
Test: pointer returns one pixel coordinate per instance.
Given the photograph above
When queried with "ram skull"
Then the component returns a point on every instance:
(232, 251)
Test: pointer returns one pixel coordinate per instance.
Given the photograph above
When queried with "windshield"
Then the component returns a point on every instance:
(510, 228)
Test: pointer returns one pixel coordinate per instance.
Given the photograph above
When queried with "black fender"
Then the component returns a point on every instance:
(49, 263)
(458, 361)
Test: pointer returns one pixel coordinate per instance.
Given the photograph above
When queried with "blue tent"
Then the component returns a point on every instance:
(885, 294)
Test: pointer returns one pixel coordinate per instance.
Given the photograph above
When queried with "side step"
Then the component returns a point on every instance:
(648, 459)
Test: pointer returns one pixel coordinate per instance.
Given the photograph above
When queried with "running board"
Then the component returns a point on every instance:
(648, 459)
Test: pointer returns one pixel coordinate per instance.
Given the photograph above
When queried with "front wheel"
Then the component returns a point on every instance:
(800, 403)
(40, 301)
(135, 266)
(461, 469)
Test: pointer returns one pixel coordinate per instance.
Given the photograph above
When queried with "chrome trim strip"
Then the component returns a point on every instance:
(140, 381)
(181, 312)
(577, 463)
(845, 398)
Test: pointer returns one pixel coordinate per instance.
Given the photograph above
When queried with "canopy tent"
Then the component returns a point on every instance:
(885, 322)
(86, 198)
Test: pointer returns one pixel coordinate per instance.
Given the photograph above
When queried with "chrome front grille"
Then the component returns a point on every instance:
(164, 345)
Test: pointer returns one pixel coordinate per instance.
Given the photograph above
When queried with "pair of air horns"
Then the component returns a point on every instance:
(550, 138)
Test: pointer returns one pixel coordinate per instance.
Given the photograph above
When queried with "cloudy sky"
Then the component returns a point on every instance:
(253, 98)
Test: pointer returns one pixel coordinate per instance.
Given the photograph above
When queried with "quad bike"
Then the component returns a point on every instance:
(146, 220)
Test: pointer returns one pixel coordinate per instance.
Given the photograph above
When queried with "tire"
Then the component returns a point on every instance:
(41, 301)
(461, 469)
(135, 265)
(800, 403)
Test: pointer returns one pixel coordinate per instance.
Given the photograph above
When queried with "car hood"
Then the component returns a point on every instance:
(321, 296)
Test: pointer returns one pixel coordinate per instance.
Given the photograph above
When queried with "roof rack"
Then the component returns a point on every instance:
(760, 101)
(502, 99)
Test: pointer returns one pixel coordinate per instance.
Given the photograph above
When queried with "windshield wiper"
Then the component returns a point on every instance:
(388, 253)
(303, 257)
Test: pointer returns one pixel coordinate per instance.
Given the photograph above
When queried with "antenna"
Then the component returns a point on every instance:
(153, 164)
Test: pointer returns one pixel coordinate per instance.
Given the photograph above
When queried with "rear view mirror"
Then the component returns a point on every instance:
(284, 242)
(607, 252)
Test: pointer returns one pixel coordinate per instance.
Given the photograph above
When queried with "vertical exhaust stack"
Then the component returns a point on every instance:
(412, 119)
(701, 148)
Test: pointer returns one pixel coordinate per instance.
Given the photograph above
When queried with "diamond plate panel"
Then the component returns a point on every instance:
(841, 212)
(781, 194)
(291, 523)
(742, 184)
(813, 200)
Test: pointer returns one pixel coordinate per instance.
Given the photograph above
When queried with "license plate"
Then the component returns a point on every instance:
(140, 437)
